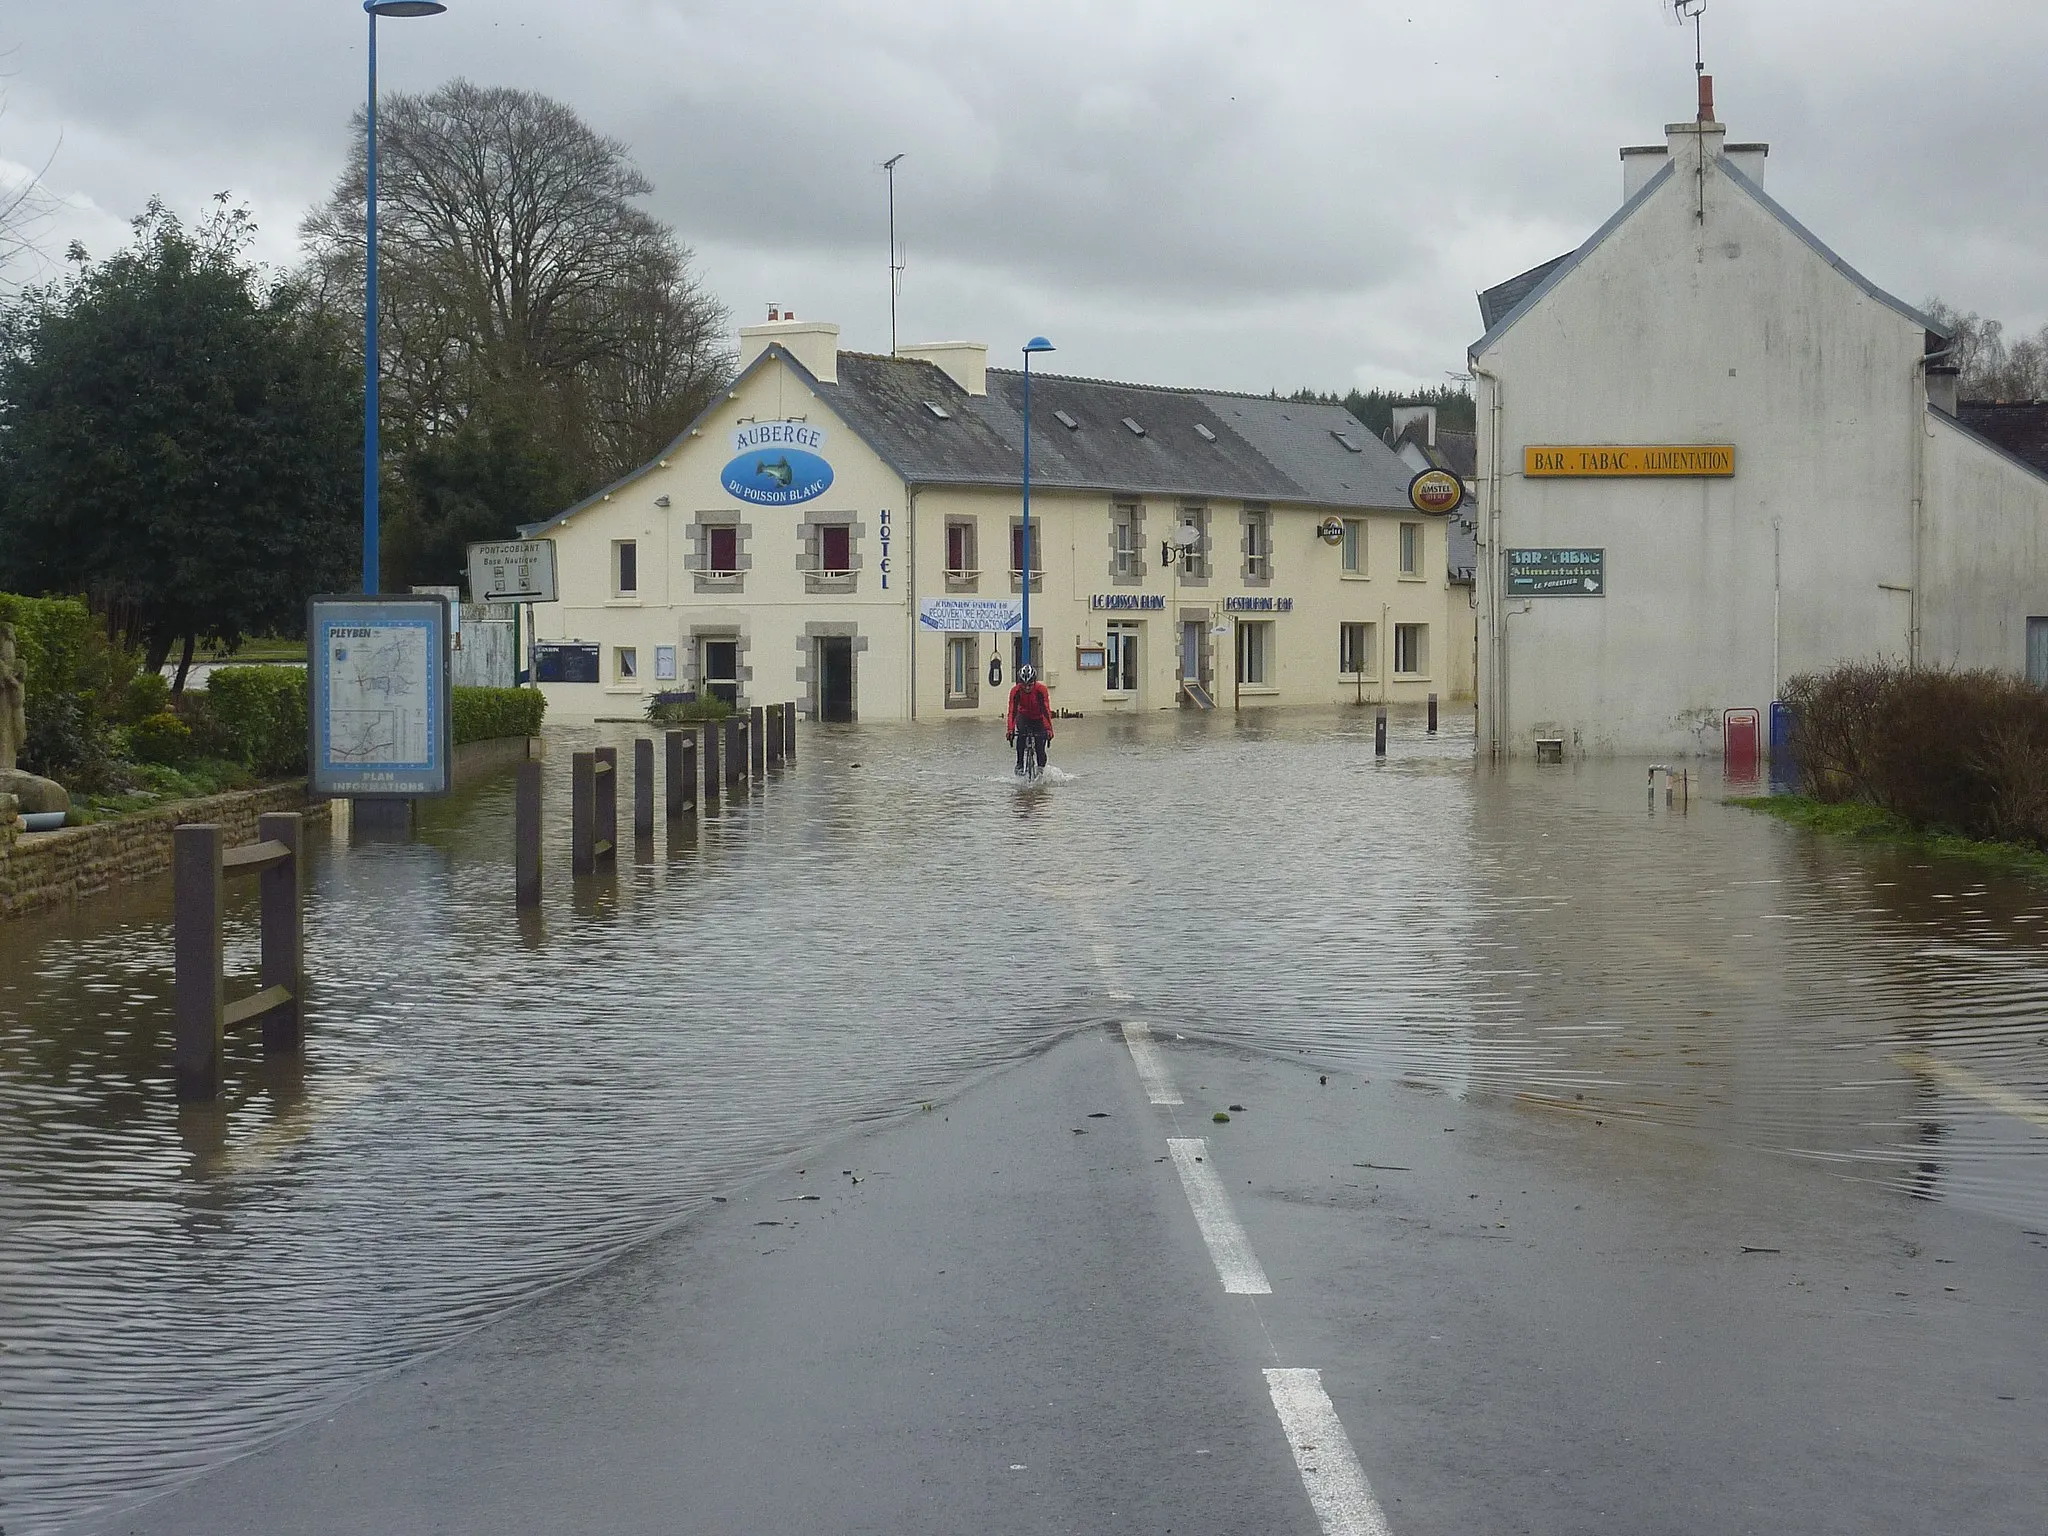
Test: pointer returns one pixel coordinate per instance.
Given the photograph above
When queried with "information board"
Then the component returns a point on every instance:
(565, 661)
(1557, 572)
(512, 571)
(971, 615)
(381, 720)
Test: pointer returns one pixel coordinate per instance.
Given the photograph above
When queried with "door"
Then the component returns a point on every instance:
(1191, 650)
(1123, 659)
(2037, 652)
(722, 670)
(835, 678)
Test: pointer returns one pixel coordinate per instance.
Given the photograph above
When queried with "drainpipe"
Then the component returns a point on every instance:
(1916, 400)
(910, 591)
(1777, 595)
(1495, 571)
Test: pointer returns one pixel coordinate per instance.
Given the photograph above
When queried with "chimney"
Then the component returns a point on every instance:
(1406, 416)
(1941, 386)
(964, 362)
(1639, 162)
(813, 343)
(1706, 98)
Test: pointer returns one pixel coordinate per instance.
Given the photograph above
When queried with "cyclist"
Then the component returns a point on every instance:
(1028, 722)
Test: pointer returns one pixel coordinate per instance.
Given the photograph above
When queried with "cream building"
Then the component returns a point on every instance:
(1713, 455)
(846, 530)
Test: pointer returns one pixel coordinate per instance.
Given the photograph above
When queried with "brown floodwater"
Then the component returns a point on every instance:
(489, 1104)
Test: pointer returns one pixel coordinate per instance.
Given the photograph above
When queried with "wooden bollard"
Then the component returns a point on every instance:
(526, 836)
(607, 802)
(789, 731)
(1432, 714)
(681, 778)
(643, 787)
(774, 736)
(757, 741)
(198, 884)
(1379, 734)
(711, 734)
(735, 751)
(282, 902)
(583, 812)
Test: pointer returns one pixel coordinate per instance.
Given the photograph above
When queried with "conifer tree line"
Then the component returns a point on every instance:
(180, 428)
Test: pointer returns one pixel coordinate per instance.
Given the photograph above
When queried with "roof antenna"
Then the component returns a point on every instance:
(895, 252)
(1682, 11)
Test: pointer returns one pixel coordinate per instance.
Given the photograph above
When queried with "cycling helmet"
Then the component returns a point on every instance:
(1025, 673)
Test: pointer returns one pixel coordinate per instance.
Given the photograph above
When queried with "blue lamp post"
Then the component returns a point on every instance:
(375, 8)
(1035, 344)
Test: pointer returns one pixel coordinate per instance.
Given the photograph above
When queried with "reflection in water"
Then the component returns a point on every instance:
(493, 1099)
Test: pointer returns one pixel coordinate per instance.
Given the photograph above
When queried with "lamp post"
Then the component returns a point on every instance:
(375, 8)
(1035, 344)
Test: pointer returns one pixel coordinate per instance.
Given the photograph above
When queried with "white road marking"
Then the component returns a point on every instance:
(1151, 1069)
(1236, 1264)
(1337, 1489)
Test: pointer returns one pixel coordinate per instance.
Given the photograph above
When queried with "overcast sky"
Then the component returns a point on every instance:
(1243, 194)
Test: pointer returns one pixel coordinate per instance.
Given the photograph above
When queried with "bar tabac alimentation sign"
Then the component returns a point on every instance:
(1615, 460)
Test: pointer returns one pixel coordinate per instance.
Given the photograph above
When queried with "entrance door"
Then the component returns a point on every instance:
(1191, 650)
(722, 670)
(1123, 659)
(835, 677)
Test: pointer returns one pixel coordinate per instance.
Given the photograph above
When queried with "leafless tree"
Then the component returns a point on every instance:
(1991, 367)
(518, 278)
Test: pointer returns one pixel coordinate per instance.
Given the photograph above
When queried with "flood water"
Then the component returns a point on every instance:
(489, 1104)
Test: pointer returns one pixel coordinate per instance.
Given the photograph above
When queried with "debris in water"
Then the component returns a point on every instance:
(1747, 1249)
(1237, 1109)
(1100, 1114)
(1219, 1117)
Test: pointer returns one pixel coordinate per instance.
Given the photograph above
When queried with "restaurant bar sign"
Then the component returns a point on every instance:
(1557, 573)
(778, 464)
(1622, 460)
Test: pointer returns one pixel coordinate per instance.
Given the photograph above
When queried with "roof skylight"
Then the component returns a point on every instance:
(938, 410)
(1132, 423)
(1066, 421)
(1202, 431)
(1345, 439)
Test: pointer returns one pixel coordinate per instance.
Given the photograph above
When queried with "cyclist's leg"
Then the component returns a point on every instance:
(1038, 745)
(1023, 746)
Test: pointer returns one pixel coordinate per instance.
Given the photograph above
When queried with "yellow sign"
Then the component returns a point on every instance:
(1553, 460)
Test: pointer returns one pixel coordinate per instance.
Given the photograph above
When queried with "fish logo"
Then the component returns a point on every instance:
(779, 472)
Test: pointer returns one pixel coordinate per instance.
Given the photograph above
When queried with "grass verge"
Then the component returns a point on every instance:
(148, 785)
(1868, 823)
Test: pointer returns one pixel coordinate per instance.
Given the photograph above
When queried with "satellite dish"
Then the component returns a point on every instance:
(1187, 536)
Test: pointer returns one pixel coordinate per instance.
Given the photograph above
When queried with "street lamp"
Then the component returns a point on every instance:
(375, 8)
(1035, 344)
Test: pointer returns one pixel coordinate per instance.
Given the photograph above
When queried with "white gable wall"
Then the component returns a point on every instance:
(1985, 561)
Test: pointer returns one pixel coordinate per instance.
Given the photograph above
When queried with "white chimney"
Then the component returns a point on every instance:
(964, 362)
(1639, 162)
(1407, 415)
(813, 343)
(1748, 159)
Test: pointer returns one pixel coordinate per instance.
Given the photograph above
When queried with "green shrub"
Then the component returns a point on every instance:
(210, 739)
(686, 709)
(486, 714)
(147, 694)
(262, 711)
(162, 738)
(76, 681)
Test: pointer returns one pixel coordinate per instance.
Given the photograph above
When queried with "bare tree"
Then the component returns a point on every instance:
(518, 278)
(26, 209)
(1991, 368)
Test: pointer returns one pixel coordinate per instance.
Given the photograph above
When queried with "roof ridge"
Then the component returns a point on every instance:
(1167, 389)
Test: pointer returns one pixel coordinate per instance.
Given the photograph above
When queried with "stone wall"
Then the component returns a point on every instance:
(48, 869)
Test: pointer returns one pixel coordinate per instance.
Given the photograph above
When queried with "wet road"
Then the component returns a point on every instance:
(488, 1107)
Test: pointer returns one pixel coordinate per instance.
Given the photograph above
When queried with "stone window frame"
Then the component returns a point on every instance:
(811, 552)
(807, 680)
(971, 699)
(697, 556)
(1371, 648)
(1248, 514)
(691, 663)
(1131, 513)
(1197, 512)
(967, 579)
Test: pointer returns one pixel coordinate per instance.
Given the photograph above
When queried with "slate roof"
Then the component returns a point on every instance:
(1497, 302)
(1261, 449)
(2020, 427)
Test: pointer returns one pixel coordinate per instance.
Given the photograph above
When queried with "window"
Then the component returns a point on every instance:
(1037, 653)
(1126, 546)
(1354, 546)
(626, 664)
(625, 567)
(2037, 652)
(1411, 549)
(1411, 649)
(724, 550)
(1354, 649)
(1254, 652)
(963, 672)
(1017, 554)
(960, 549)
(835, 549)
(1194, 565)
(1258, 543)
(1123, 659)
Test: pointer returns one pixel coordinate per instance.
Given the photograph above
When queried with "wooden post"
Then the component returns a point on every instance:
(526, 836)
(757, 741)
(735, 751)
(1379, 734)
(789, 731)
(710, 762)
(607, 802)
(583, 812)
(643, 787)
(681, 778)
(198, 884)
(281, 895)
(774, 735)
(1432, 714)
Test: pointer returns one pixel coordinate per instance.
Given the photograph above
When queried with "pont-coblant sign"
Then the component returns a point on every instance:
(1615, 460)
(1556, 572)
(512, 571)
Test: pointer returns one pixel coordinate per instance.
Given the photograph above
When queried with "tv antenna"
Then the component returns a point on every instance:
(1682, 11)
(895, 252)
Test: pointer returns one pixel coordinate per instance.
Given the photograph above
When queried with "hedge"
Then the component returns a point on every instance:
(263, 712)
(77, 682)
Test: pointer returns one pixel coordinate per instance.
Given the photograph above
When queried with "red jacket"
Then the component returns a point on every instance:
(1030, 705)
